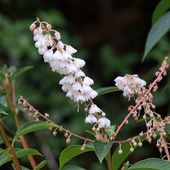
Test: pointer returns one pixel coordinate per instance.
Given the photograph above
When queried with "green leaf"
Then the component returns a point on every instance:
(159, 29)
(118, 159)
(110, 130)
(70, 152)
(21, 71)
(151, 164)
(24, 168)
(41, 165)
(102, 149)
(32, 127)
(72, 167)
(19, 153)
(167, 129)
(3, 113)
(160, 9)
(105, 90)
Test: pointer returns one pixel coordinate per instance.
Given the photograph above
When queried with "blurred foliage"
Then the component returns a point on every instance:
(116, 55)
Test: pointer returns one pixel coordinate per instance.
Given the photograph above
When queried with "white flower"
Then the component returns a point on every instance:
(129, 84)
(60, 44)
(88, 81)
(79, 74)
(42, 50)
(67, 79)
(91, 119)
(70, 49)
(103, 122)
(58, 56)
(48, 55)
(93, 94)
(94, 109)
(79, 63)
(76, 86)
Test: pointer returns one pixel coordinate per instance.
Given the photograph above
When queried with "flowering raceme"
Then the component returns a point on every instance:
(75, 83)
(130, 84)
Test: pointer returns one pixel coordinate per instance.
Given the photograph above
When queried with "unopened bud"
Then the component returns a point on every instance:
(131, 149)
(66, 134)
(46, 115)
(140, 144)
(68, 140)
(32, 26)
(120, 151)
(55, 133)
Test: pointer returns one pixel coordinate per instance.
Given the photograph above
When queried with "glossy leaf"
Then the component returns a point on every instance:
(32, 127)
(160, 9)
(24, 168)
(41, 165)
(167, 129)
(159, 29)
(110, 130)
(20, 71)
(70, 152)
(105, 90)
(151, 164)
(19, 153)
(102, 149)
(72, 167)
(3, 113)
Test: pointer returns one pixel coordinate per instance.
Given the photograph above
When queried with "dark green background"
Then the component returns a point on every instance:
(109, 35)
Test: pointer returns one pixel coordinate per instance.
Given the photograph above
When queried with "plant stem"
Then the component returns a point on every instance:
(165, 148)
(11, 99)
(109, 161)
(11, 150)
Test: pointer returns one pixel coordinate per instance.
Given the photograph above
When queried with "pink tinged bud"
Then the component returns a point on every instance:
(48, 26)
(55, 133)
(66, 134)
(57, 35)
(68, 140)
(32, 26)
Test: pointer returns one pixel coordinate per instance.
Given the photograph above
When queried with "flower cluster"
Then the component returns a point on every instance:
(130, 84)
(59, 56)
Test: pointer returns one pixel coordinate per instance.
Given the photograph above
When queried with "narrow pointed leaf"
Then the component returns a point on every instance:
(151, 164)
(72, 167)
(24, 168)
(19, 153)
(105, 90)
(32, 127)
(102, 149)
(70, 152)
(159, 29)
(160, 9)
(41, 165)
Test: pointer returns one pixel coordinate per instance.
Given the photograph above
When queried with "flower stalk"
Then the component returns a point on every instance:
(9, 86)
(12, 153)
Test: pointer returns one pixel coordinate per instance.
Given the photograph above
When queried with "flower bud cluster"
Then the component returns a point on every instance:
(59, 56)
(96, 116)
(129, 84)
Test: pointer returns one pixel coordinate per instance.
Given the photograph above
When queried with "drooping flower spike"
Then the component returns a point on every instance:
(75, 83)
